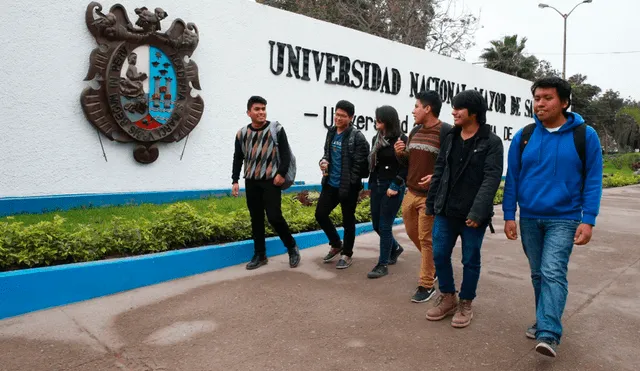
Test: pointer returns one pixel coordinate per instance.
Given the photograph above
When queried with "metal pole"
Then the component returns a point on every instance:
(564, 51)
(564, 16)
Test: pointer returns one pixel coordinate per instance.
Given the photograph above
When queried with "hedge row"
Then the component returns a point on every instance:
(179, 226)
(619, 180)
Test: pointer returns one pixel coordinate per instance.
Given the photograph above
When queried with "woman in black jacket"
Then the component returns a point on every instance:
(387, 185)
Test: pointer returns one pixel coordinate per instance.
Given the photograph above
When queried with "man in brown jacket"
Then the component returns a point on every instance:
(420, 154)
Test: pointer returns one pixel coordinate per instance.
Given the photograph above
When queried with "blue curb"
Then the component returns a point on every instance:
(35, 289)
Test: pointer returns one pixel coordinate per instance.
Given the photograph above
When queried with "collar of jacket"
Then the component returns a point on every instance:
(483, 131)
(334, 129)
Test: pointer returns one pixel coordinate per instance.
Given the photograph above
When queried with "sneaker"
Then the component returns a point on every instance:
(463, 315)
(378, 271)
(423, 294)
(333, 252)
(446, 305)
(547, 347)
(435, 278)
(294, 257)
(395, 254)
(344, 262)
(531, 331)
(257, 261)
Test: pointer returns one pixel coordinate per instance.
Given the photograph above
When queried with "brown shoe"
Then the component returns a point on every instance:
(463, 316)
(446, 305)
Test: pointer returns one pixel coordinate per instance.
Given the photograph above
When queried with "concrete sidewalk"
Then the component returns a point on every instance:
(318, 318)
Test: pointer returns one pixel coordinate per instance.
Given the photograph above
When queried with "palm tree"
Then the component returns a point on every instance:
(507, 56)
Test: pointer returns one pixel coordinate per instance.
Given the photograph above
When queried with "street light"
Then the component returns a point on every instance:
(565, 16)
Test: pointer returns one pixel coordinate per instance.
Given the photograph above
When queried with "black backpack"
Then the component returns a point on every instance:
(579, 140)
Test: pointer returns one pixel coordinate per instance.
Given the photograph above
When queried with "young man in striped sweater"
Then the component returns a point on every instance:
(421, 153)
(255, 147)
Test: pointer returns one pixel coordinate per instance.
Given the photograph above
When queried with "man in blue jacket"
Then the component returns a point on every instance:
(555, 176)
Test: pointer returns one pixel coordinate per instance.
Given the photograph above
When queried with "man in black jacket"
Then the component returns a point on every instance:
(466, 178)
(344, 164)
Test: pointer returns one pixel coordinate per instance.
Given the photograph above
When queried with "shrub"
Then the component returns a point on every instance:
(178, 226)
(618, 180)
(497, 200)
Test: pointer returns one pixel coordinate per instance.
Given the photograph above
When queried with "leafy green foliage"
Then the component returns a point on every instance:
(153, 228)
(619, 180)
(497, 199)
(508, 56)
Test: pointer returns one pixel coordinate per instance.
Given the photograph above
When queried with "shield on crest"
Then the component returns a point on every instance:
(145, 83)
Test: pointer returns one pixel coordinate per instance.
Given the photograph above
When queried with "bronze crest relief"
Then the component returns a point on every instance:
(144, 93)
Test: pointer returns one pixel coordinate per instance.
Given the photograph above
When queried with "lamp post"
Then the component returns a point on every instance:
(565, 16)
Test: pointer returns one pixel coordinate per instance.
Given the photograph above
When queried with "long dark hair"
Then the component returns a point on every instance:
(389, 117)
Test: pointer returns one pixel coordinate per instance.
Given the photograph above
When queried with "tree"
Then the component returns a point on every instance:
(616, 121)
(450, 34)
(582, 99)
(607, 107)
(582, 102)
(507, 56)
(628, 132)
(546, 70)
(425, 24)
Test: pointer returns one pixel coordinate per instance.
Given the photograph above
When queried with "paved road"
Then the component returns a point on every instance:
(318, 318)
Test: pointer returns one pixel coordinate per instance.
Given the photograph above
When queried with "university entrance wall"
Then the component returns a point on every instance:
(300, 65)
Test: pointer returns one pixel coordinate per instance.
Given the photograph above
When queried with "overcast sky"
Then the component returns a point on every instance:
(602, 26)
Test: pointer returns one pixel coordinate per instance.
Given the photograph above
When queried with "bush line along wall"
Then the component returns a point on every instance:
(178, 226)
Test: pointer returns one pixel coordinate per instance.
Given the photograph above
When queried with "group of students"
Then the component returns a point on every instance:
(444, 177)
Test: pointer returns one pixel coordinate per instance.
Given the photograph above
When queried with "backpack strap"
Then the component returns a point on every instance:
(413, 132)
(526, 135)
(274, 128)
(580, 141)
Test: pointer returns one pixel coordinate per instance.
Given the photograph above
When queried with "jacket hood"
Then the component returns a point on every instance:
(573, 120)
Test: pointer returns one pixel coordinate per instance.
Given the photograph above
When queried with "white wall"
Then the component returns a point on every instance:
(48, 147)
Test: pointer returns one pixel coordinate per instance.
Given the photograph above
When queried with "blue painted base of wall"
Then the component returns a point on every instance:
(43, 204)
(30, 290)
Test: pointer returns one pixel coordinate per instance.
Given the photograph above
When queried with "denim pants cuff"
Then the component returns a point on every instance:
(547, 334)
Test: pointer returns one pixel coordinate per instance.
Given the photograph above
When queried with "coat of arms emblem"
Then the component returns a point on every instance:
(144, 93)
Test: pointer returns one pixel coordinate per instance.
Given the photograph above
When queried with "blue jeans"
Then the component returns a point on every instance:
(383, 213)
(548, 245)
(445, 234)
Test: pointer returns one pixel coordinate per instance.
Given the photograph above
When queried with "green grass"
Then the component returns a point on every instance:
(99, 217)
(611, 169)
(620, 164)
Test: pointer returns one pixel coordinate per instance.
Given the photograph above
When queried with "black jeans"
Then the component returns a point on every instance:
(329, 199)
(263, 195)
